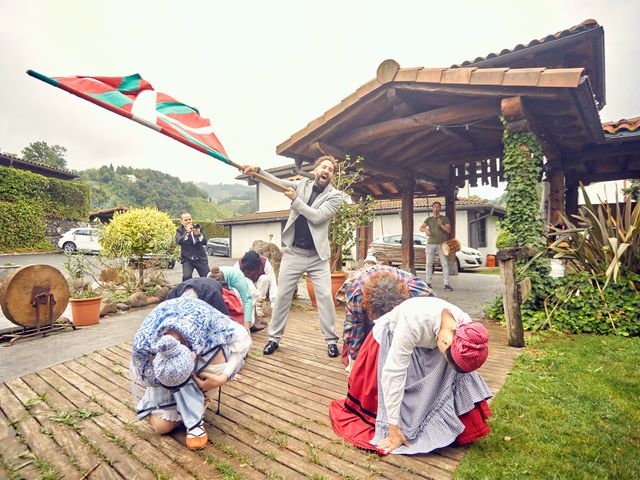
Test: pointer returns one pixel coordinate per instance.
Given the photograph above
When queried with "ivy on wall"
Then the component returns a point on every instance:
(27, 199)
(522, 225)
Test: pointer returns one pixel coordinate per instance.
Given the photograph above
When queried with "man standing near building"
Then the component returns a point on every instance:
(192, 253)
(438, 229)
(306, 236)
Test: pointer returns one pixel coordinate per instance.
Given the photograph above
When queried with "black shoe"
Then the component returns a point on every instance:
(448, 287)
(332, 350)
(270, 347)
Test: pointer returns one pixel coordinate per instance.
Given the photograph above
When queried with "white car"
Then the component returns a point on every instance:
(85, 239)
(388, 248)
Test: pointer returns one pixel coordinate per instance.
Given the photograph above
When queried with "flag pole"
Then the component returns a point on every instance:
(152, 126)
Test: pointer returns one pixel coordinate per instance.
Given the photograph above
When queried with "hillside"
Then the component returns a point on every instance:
(134, 187)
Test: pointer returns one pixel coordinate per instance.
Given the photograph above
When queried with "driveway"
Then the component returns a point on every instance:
(173, 276)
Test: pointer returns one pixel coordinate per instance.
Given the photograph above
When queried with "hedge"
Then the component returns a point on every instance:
(27, 199)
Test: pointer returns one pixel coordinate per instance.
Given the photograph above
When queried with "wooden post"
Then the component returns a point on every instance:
(571, 197)
(510, 295)
(450, 212)
(556, 196)
(406, 216)
(365, 237)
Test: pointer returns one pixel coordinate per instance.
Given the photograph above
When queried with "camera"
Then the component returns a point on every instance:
(197, 225)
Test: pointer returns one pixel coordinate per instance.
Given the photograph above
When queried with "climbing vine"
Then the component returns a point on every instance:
(522, 225)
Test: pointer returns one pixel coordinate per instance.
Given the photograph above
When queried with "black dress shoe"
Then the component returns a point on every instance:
(332, 350)
(270, 347)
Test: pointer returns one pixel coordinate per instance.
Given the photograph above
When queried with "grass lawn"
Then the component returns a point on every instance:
(569, 410)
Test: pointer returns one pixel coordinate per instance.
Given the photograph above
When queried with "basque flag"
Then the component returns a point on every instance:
(134, 98)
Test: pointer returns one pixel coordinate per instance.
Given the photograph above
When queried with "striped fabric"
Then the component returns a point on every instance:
(434, 398)
(356, 323)
(121, 95)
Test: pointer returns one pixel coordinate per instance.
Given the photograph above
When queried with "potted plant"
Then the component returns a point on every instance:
(352, 214)
(84, 298)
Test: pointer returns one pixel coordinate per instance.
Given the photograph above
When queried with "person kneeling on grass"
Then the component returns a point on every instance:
(413, 388)
(182, 351)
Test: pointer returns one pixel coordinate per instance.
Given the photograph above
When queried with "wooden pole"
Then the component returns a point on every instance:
(510, 297)
(406, 216)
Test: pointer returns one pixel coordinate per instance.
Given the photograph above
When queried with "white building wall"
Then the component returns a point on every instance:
(605, 191)
(269, 200)
(390, 224)
(243, 236)
(492, 236)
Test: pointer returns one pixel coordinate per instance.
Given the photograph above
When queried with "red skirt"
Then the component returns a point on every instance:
(354, 418)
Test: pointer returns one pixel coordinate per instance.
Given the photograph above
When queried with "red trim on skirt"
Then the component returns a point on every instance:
(354, 418)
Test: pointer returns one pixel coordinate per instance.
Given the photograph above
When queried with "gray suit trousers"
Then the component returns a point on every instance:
(295, 262)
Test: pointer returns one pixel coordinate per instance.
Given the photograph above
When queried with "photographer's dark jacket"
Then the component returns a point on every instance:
(188, 249)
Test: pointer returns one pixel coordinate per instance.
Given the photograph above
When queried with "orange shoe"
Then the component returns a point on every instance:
(197, 438)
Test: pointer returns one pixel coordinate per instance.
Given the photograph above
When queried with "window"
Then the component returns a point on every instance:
(478, 230)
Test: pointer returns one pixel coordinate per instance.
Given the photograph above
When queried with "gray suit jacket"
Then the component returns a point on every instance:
(318, 214)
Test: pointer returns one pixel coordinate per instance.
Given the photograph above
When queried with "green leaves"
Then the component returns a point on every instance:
(27, 199)
(351, 214)
(600, 240)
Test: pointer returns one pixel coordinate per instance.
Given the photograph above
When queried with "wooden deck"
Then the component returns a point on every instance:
(76, 420)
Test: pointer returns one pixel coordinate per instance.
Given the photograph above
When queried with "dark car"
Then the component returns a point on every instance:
(218, 247)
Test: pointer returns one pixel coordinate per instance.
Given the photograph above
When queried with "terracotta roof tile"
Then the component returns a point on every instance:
(586, 25)
(624, 125)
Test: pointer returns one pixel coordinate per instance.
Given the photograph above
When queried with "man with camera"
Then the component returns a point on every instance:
(192, 252)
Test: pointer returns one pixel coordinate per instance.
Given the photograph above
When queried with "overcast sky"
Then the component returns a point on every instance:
(260, 70)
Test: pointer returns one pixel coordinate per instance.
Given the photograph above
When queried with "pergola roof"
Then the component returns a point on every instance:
(440, 127)
(419, 122)
(581, 46)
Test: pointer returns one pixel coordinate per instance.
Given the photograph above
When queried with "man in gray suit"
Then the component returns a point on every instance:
(306, 238)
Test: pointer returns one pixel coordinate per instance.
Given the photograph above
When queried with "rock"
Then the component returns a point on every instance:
(107, 306)
(123, 306)
(137, 299)
(152, 300)
(269, 250)
(162, 292)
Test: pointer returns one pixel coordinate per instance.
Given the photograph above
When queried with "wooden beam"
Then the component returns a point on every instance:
(396, 173)
(520, 119)
(482, 91)
(390, 187)
(322, 148)
(375, 190)
(406, 216)
(556, 197)
(466, 112)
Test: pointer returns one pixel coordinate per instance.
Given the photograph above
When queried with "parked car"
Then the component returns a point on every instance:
(218, 247)
(388, 248)
(85, 239)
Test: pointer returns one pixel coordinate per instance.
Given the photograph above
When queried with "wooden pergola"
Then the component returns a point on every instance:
(426, 131)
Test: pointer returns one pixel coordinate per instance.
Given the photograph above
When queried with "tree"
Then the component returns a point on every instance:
(136, 233)
(41, 152)
(351, 215)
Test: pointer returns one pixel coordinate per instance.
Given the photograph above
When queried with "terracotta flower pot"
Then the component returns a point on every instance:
(85, 311)
(337, 279)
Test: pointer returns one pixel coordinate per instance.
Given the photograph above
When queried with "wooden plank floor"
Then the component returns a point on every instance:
(75, 420)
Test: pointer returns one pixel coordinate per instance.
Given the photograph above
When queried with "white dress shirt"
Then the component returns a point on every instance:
(414, 323)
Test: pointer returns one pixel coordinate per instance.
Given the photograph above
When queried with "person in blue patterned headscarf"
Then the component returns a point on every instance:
(183, 349)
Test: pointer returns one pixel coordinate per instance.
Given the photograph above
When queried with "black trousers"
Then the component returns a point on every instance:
(188, 266)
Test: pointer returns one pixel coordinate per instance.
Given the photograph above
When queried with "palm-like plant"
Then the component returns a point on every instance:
(601, 240)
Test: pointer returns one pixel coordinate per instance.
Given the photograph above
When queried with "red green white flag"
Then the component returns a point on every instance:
(131, 97)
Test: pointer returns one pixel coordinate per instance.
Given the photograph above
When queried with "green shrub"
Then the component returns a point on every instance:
(579, 304)
(27, 199)
(137, 232)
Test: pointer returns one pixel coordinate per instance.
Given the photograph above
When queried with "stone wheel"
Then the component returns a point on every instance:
(17, 290)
